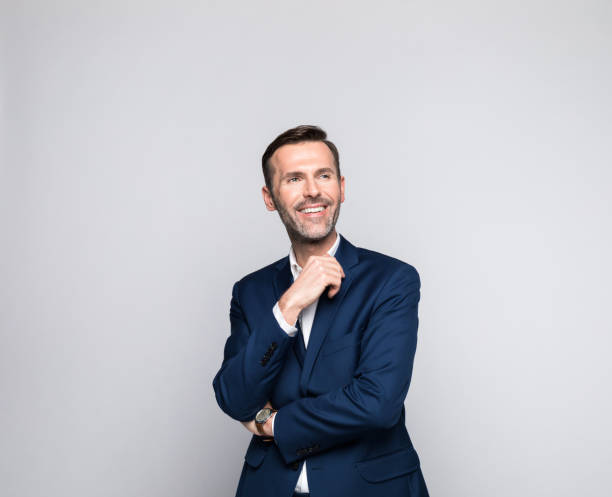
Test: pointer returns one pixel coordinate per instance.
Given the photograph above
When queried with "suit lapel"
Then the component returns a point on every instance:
(327, 309)
(283, 278)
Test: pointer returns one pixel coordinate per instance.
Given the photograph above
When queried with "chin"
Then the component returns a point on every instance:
(315, 237)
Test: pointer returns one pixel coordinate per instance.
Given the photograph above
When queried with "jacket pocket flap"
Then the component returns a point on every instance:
(256, 453)
(389, 465)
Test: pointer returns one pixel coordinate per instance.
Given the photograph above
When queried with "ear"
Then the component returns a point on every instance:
(341, 189)
(268, 200)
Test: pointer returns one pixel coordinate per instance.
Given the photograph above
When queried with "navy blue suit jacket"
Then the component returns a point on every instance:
(341, 402)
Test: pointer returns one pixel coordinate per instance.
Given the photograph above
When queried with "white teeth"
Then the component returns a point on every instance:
(312, 209)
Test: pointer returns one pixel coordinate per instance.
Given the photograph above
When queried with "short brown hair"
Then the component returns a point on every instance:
(299, 134)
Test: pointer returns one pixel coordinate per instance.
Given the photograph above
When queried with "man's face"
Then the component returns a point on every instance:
(304, 176)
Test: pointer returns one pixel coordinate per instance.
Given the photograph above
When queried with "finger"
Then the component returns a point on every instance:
(333, 264)
(336, 276)
(333, 278)
(337, 265)
(322, 258)
(328, 266)
(334, 289)
(249, 425)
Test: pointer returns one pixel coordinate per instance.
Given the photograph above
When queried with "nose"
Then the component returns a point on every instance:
(311, 189)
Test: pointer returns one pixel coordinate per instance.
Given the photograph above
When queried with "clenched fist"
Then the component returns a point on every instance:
(319, 273)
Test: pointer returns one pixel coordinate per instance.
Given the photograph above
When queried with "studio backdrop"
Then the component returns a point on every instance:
(474, 138)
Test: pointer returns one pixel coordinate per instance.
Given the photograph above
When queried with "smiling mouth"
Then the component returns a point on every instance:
(314, 211)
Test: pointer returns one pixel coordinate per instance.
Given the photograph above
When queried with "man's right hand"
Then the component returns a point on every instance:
(320, 272)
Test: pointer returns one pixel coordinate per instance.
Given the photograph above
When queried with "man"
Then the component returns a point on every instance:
(319, 359)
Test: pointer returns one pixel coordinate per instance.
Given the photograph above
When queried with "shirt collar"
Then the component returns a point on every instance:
(295, 267)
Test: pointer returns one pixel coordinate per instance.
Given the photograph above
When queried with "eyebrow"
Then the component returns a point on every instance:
(318, 171)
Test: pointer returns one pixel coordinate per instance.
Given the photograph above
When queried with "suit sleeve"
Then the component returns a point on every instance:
(253, 356)
(375, 396)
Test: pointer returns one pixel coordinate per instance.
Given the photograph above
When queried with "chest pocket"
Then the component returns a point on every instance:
(339, 344)
(336, 363)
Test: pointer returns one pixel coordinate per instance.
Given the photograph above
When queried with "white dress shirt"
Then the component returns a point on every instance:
(306, 318)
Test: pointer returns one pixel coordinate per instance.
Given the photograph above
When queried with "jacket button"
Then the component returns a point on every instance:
(295, 465)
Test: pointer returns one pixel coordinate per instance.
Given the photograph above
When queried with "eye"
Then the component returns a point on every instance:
(326, 175)
(291, 179)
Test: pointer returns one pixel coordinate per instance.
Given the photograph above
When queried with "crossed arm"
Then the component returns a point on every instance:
(245, 381)
(373, 398)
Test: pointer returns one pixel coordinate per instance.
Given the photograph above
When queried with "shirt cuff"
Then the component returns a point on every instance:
(287, 328)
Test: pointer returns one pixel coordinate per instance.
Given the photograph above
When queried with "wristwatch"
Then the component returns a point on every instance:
(262, 416)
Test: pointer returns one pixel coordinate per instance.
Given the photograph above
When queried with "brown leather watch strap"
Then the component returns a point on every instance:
(261, 425)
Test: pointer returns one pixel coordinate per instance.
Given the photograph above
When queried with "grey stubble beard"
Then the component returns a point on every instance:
(297, 231)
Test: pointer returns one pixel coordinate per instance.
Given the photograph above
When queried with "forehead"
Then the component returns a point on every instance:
(302, 156)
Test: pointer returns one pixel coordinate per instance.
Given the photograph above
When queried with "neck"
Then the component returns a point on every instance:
(303, 249)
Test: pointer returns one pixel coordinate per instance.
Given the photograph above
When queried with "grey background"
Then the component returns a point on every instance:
(475, 141)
